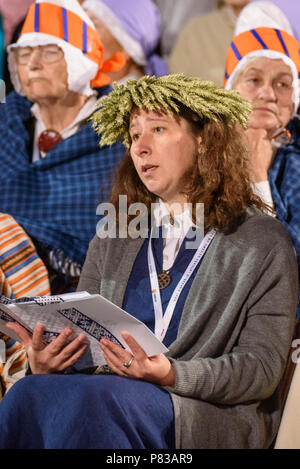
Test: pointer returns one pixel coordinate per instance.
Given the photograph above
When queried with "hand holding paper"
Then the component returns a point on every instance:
(51, 358)
(91, 315)
(155, 369)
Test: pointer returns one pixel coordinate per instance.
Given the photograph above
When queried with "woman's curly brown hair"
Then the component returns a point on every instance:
(220, 178)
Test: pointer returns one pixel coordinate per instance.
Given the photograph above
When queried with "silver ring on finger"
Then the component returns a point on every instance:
(127, 364)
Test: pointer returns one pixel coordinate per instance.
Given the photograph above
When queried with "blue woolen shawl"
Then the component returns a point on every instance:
(54, 199)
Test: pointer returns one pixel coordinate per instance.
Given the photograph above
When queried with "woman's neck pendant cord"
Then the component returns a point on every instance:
(162, 320)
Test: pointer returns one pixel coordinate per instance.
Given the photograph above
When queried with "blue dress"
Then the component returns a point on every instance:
(284, 177)
(99, 411)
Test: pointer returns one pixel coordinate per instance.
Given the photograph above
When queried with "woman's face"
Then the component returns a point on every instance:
(267, 83)
(163, 150)
(42, 72)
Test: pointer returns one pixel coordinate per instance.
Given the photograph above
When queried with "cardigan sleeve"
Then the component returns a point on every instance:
(253, 368)
(90, 278)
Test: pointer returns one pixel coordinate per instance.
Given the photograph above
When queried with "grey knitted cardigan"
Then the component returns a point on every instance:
(234, 334)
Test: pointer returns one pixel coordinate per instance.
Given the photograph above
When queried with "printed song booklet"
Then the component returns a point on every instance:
(93, 315)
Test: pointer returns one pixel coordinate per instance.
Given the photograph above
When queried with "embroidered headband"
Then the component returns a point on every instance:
(163, 93)
(261, 39)
(68, 26)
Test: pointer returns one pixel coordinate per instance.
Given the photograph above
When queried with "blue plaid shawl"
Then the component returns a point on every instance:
(55, 198)
(284, 177)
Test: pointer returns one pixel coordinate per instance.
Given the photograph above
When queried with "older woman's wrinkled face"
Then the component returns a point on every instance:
(267, 83)
(163, 150)
(42, 72)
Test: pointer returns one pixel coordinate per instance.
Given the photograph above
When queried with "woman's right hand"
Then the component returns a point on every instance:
(261, 153)
(51, 358)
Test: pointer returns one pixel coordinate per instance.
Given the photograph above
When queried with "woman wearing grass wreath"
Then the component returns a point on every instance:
(225, 309)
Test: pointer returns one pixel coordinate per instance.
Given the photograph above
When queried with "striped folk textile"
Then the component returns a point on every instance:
(22, 273)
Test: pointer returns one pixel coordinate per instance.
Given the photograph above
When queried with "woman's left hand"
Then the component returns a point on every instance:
(156, 369)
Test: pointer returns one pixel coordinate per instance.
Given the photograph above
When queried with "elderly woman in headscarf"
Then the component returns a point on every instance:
(134, 29)
(52, 169)
(263, 65)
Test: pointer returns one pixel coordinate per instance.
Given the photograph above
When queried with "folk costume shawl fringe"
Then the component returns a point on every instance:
(54, 199)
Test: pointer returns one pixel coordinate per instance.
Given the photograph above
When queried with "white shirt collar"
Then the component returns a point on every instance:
(173, 234)
(162, 216)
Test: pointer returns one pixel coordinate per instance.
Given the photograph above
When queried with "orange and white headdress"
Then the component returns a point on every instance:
(262, 30)
(65, 23)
